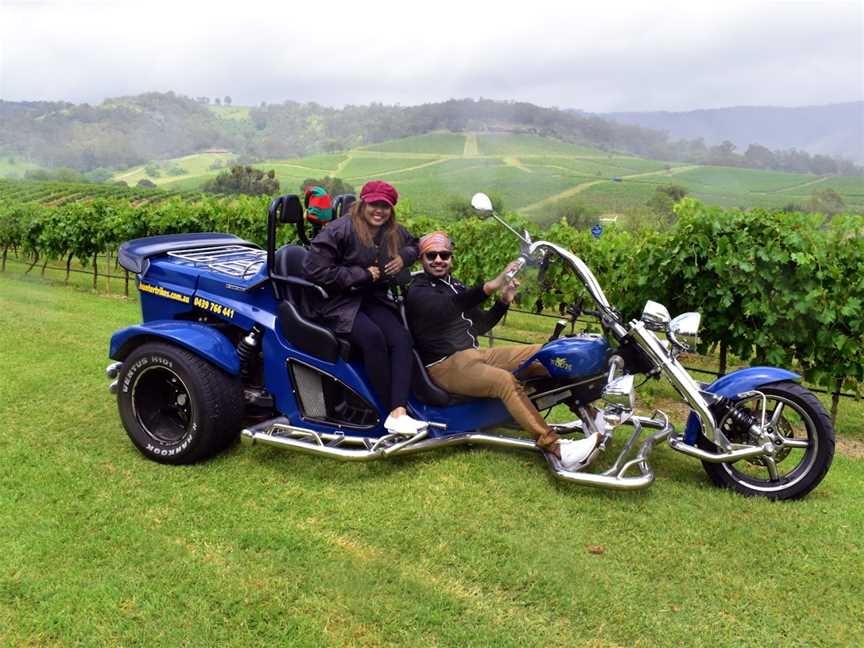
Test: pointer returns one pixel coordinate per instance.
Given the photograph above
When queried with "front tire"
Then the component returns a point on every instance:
(797, 467)
(176, 407)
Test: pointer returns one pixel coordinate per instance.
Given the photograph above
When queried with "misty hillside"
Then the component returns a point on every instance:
(123, 132)
(834, 129)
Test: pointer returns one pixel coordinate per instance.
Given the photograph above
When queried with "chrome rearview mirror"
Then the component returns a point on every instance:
(684, 330)
(482, 204)
(655, 316)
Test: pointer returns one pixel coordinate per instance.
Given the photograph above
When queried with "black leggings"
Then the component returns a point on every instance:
(386, 348)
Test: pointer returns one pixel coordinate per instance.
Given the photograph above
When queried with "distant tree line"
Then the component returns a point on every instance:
(126, 131)
(757, 156)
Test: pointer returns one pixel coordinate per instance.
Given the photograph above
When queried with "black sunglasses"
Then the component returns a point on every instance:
(430, 256)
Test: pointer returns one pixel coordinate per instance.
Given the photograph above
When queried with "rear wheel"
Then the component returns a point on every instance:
(176, 407)
(802, 458)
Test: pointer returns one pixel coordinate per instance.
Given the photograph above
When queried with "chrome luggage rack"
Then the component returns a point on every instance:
(234, 260)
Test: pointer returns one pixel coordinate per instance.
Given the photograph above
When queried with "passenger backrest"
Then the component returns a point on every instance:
(294, 317)
(289, 263)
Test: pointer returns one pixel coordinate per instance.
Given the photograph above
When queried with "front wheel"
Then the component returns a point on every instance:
(797, 466)
(176, 407)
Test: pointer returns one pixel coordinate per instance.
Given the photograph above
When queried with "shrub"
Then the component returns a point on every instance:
(244, 180)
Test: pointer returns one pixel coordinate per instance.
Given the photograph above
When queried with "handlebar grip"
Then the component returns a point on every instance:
(520, 263)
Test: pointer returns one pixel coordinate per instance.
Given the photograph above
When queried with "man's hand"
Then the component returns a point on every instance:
(394, 266)
(501, 280)
(375, 272)
(509, 291)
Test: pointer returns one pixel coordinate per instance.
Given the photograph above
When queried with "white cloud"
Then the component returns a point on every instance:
(595, 56)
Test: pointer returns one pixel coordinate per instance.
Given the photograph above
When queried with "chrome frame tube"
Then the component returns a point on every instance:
(674, 371)
(731, 456)
(680, 380)
(281, 433)
(637, 431)
(618, 480)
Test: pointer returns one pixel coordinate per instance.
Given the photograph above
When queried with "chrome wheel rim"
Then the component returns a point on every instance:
(791, 462)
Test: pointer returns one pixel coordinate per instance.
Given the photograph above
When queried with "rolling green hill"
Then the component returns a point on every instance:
(531, 174)
(196, 169)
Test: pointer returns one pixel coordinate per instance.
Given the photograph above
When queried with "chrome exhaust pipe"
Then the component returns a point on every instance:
(677, 443)
(615, 478)
(112, 371)
(249, 437)
(281, 433)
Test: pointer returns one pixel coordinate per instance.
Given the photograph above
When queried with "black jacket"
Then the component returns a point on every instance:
(445, 316)
(337, 261)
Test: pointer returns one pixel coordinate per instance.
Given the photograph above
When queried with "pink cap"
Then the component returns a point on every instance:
(375, 190)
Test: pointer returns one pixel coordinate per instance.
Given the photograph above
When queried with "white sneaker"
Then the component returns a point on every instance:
(404, 425)
(574, 453)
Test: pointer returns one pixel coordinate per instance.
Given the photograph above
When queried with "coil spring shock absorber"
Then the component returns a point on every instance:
(741, 421)
(247, 351)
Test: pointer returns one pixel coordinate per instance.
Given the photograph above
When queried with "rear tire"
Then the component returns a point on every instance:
(176, 407)
(797, 470)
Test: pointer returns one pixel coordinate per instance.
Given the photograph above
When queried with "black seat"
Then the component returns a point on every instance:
(289, 273)
(427, 391)
(319, 341)
(293, 314)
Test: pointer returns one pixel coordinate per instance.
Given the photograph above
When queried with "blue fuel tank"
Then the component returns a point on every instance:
(574, 357)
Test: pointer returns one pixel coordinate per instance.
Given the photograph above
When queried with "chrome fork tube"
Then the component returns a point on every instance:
(680, 379)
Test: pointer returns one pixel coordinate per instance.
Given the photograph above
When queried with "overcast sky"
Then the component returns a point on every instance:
(596, 56)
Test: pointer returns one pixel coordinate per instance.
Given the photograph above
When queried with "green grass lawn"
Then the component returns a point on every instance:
(454, 548)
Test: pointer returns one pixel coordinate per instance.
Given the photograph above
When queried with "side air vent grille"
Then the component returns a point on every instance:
(324, 399)
(310, 391)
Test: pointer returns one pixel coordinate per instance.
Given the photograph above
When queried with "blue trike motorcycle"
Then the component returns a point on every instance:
(226, 348)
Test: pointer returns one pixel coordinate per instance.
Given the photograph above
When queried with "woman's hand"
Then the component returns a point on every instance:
(375, 272)
(394, 266)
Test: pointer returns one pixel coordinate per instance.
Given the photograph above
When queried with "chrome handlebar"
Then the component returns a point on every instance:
(590, 282)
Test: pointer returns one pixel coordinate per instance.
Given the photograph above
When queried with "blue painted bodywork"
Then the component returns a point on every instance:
(735, 383)
(579, 356)
(203, 340)
(176, 292)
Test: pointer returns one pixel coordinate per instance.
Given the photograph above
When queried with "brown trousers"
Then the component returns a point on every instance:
(488, 373)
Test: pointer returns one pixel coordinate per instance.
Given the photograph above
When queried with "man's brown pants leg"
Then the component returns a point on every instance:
(487, 373)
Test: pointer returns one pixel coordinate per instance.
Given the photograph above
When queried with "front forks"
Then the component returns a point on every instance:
(680, 380)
